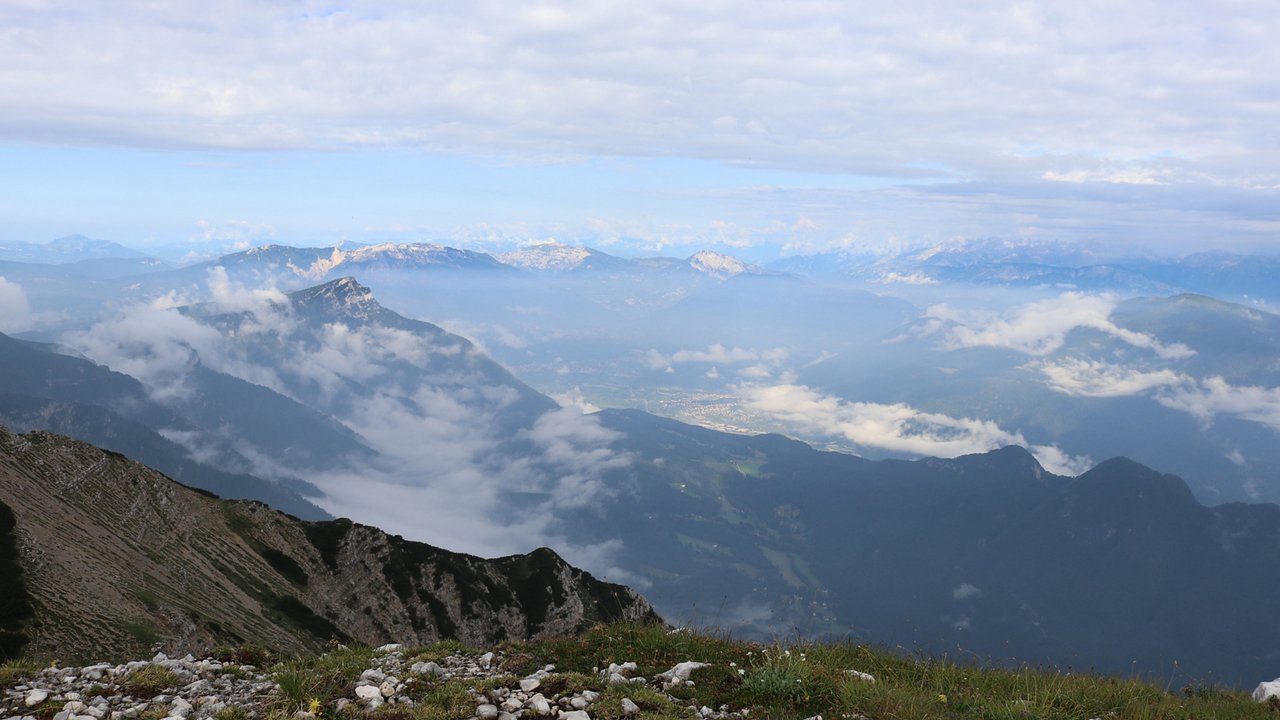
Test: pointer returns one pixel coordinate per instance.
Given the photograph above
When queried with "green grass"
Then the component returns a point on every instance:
(807, 679)
(149, 681)
(439, 651)
(13, 670)
(774, 681)
(324, 678)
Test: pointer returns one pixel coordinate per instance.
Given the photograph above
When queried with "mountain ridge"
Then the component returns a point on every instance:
(117, 557)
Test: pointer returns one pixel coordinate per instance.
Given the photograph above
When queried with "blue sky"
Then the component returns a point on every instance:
(760, 129)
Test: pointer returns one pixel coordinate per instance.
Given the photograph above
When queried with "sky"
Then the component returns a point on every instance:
(759, 128)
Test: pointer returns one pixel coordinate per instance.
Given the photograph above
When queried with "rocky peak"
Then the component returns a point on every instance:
(344, 296)
(718, 265)
(549, 255)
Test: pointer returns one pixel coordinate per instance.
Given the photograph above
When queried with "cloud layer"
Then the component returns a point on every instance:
(897, 427)
(1205, 399)
(445, 471)
(1131, 92)
(1041, 327)
(15, 311)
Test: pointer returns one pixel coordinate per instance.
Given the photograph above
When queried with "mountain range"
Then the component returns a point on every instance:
(399, 423)
(69, 249)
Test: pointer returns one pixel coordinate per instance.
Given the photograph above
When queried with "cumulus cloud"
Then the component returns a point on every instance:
(715, 353)
(965, 591)
(762, 363)
(159, 347)
(1215, 396)
(1204, 399)
(896, 278)
(896, 427)
(1040, 327)
(1091, 378)
(575, 399)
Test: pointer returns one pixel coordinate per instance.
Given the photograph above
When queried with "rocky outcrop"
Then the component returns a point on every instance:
(117, 558)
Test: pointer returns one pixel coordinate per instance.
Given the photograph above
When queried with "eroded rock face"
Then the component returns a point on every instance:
(98, 535)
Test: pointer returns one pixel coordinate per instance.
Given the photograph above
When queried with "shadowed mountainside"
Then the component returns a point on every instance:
(117, 557)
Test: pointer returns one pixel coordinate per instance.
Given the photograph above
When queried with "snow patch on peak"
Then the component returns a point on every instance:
(717, 265)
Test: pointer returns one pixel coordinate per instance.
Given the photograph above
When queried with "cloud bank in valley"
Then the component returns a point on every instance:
(1041, 327)
(1205, 399)
(1215, 396)
(15, 311)
(444, 472)
(758, 363)
(1092, 378)
(896, 427)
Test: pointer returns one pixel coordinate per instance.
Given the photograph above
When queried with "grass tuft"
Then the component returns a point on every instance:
(149, 681)
(12, 671)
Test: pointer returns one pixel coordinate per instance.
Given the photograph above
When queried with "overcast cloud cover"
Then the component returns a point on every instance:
(804, 125)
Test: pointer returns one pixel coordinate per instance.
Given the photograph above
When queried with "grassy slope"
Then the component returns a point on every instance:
(798, 681)
(806, 679)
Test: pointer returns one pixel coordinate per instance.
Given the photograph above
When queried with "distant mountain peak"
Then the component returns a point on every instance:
(74, 239)
(66, 249)
(549, 255)
(719, 265)
(344, 295)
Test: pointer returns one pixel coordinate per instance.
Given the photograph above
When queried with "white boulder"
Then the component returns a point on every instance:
(1267, 690)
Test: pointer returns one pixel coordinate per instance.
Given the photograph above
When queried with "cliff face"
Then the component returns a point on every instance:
(116, 557)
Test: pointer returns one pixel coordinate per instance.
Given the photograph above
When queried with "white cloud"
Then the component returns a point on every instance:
(718, 354)
(657, 361)
(715, 354)
(157, 347)
(1091, 378)
(232, 297)
(896, 427)
(575, 399)
(965, 591)
(756, 372)
(1204, 399)
(915, 278)
(15, 311)
(1041, 327)
(1215, 396)
(1117, 92)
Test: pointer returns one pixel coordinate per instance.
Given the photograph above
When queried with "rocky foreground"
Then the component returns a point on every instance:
(618, 671)
(203, 689)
